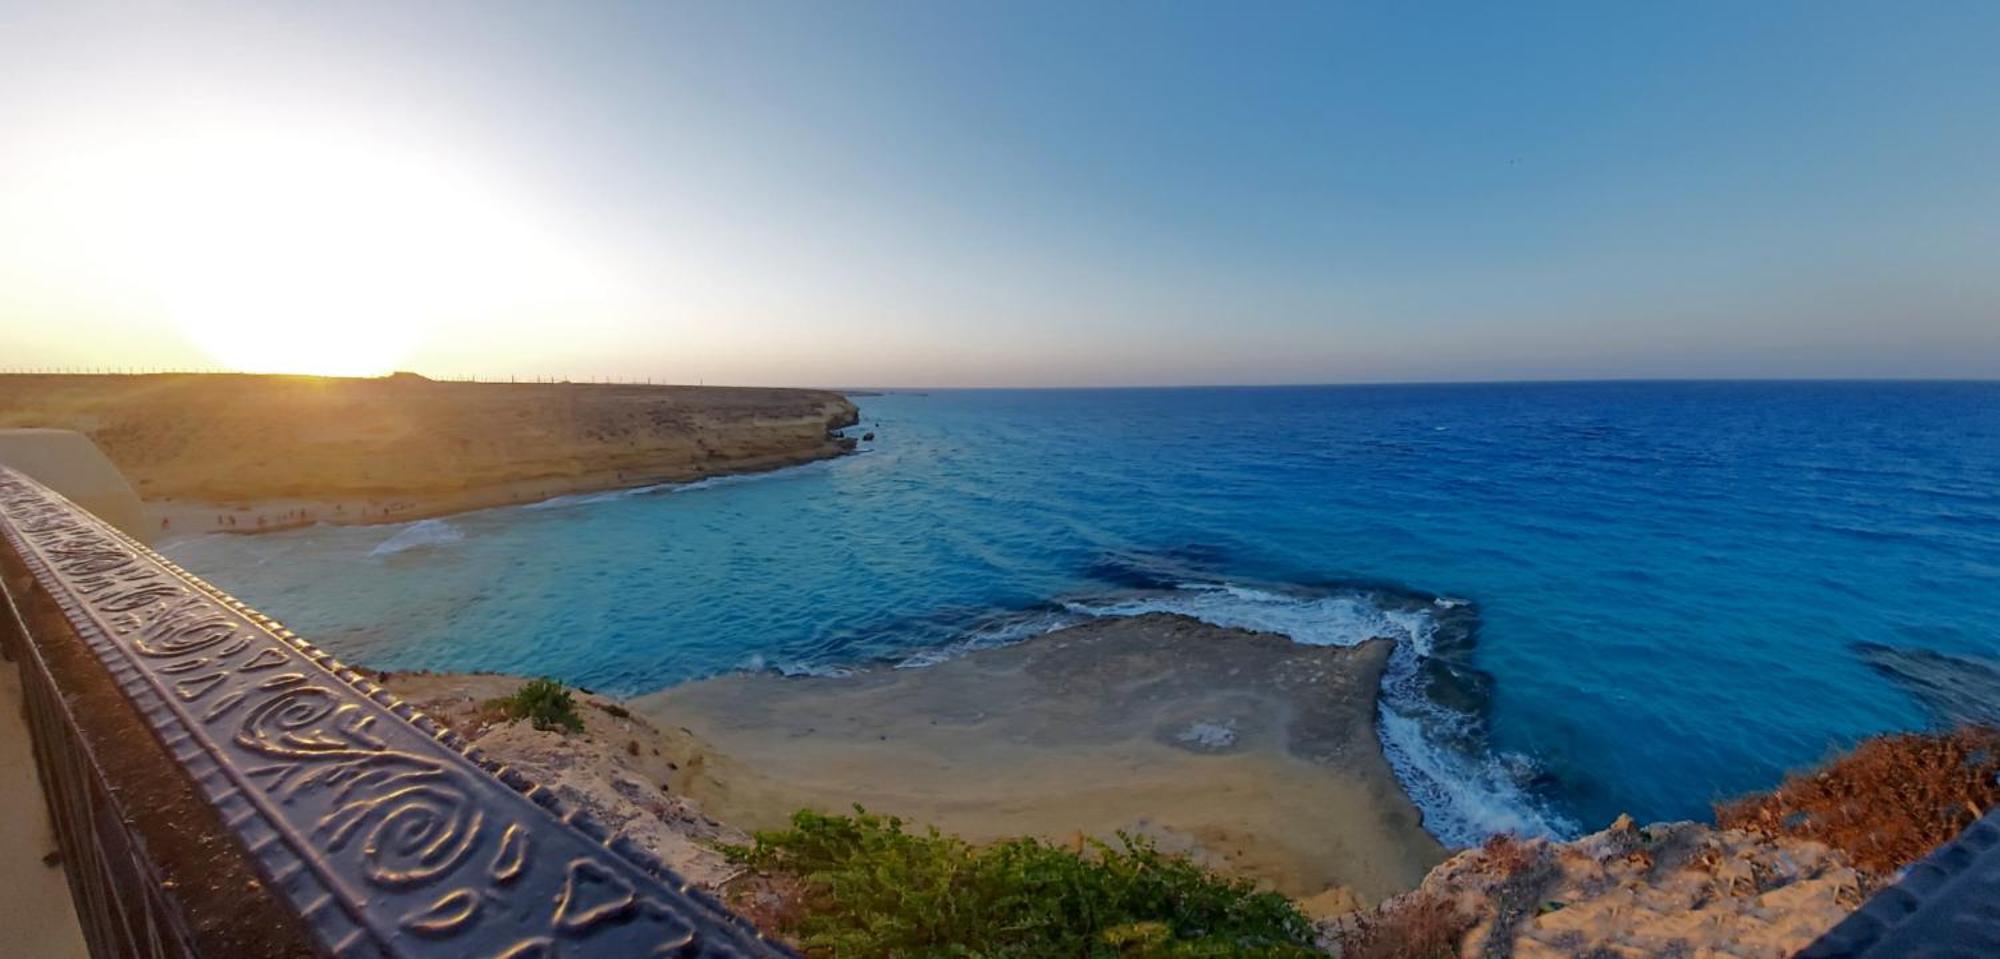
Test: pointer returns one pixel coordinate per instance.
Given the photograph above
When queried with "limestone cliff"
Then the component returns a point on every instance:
(239, 439)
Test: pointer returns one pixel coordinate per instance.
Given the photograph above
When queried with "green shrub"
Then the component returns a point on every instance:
(874, 890)
(545, 703)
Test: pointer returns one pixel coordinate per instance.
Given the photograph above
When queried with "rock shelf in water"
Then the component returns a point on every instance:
(1255, 754)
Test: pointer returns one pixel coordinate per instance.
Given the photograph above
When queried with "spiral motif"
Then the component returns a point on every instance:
(278, 726)
(137, 597)
(173, 635)
(38, 517)
(91, 562)
(419, 833)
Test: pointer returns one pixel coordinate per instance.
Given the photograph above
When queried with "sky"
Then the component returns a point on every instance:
(1014, 194)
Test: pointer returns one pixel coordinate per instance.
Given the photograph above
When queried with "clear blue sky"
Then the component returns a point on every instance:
(1011, 194)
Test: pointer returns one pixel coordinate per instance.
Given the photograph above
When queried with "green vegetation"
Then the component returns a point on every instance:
(545, 703)
(868, 889)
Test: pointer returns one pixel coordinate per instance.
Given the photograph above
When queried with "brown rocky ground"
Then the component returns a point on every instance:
(622, 769)
(1629, 892)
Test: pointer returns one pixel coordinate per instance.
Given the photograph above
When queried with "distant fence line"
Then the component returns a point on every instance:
(599, 380)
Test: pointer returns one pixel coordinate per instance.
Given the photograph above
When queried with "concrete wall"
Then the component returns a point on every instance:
(69, 463)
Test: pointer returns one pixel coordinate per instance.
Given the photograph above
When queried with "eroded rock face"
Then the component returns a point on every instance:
(1671, 889)
(590, 774)
(621, 769)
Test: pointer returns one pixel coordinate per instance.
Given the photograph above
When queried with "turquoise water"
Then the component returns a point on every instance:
(1609, 597)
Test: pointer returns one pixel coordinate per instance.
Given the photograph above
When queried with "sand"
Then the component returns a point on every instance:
(1255, 754)
(248, 453)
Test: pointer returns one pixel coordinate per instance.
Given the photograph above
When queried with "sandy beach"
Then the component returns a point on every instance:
(172, 517)
(1254, 754)
(243, 453)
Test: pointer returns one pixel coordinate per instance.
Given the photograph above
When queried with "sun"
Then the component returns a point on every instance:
(325, 251)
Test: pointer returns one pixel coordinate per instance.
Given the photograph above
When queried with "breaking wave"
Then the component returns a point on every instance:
(709, 482)
(759, 663)
(999, 631)
(422, 533)
(1438, 752)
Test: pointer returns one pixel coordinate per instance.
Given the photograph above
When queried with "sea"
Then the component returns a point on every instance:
(1606, 597)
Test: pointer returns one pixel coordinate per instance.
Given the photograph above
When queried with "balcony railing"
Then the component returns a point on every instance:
(221, 787)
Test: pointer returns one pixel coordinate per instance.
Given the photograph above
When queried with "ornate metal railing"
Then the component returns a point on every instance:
(220, 786)
(1945, 906)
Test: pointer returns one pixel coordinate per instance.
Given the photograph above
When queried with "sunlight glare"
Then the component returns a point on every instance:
(313, 251)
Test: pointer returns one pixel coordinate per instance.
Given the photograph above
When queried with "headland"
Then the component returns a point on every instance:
(247, 453)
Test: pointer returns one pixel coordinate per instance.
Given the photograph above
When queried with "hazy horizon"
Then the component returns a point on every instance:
(1030, 196)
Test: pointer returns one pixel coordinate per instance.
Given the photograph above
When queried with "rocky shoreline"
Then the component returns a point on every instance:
(1253, 755)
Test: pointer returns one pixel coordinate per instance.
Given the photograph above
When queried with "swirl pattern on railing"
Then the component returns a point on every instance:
(386, 831)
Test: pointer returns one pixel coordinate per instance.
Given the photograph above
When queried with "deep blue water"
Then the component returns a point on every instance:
(1650, 595)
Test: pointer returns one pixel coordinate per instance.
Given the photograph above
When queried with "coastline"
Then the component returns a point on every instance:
(253, 453)
(1643, 890)
(1250, 757)
(1254, 755)
(168, 518)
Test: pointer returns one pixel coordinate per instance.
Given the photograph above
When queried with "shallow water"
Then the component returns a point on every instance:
(1637, 597)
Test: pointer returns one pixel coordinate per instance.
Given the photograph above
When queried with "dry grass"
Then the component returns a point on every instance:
(773, 902)
(1887, 803)
(1507, 855)
(1411, 927)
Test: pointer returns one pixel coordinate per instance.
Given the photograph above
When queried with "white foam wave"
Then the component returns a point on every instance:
(1464, 798)
(738, 479)
(710, 482)
(585, 499)
(422, 533)
(989, 637)
(758, 663)
(1338, 620)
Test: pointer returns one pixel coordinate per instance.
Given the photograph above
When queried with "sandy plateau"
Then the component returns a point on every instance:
(246, 453)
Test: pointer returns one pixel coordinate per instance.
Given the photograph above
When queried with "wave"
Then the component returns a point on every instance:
(707, 482)
(759, 663)
(606, 496)
(1438, 751)
(1954, 690)
(422, 533)
(1002, 631)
